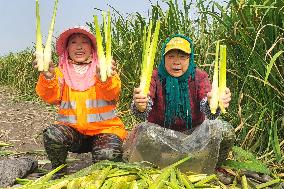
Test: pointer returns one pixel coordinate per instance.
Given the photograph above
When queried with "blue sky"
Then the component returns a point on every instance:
(17, 18)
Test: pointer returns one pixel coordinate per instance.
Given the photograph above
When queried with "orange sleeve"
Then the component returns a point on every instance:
(49, 90)
(110, 89)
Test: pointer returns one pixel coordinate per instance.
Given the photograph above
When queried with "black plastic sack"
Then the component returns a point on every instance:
(10, 169)
(161, 146)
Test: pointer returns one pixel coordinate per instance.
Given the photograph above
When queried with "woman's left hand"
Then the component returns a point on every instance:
(112, 71)
(225, 98)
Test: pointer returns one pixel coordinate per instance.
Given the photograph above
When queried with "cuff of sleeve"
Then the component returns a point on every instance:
(142, 115)
(49, 83)
(107, 83)
(205, 108)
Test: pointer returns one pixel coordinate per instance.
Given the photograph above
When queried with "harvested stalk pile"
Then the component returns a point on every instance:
(118, 175)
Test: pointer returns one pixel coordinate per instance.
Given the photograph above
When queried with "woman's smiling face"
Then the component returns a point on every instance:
(176, 62)
(79, 47)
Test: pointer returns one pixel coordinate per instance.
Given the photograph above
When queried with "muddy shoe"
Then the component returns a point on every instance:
(224, 176)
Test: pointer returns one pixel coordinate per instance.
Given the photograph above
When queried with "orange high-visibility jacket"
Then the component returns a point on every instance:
(91, 112)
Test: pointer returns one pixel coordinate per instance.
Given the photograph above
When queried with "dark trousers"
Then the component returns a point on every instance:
(60, 139)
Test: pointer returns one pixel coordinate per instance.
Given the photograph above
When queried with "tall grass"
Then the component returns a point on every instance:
(253, 31)
(16, 71)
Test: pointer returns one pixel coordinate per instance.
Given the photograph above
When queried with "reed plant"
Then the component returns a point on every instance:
(253, 32)
(16, 71)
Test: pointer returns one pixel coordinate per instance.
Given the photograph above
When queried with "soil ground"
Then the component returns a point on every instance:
(21, 125)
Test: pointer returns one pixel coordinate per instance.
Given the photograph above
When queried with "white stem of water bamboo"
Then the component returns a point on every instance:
(214, 98)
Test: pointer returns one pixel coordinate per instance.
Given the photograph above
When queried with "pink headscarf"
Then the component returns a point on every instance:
(76, 81)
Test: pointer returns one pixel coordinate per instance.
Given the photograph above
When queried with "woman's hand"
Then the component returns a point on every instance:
(140, 99)
(47, 74)
(113, 71)
(225, 98)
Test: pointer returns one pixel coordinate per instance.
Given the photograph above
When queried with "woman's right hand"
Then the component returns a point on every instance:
(140, 99)
(47, 74)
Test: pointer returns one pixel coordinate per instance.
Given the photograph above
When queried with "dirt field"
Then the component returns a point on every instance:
(21, 125)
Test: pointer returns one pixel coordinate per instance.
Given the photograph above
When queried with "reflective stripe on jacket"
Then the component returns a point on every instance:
(91, 112)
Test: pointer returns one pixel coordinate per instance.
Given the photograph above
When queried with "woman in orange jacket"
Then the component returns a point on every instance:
(87, 119)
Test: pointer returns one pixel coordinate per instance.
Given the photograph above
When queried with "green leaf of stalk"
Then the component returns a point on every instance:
(214, 98)
(89, 180)
(120, 184)
(149, 57)
(39, 48)
(180, 161)
(74, 183)
(105, 25)
(3, 144)
(185, 182)
(173, 179)
(61, 184)
(23, 181)
(6, 153)
(133, 185)
(47, 48)
(222, 74)
(144, 40)
(101, 55)
(44, 178)
(166, 172)
(269, 183)
(152, 55)
(107, 184)
(206, 180)
(145, 58)
(244, 182)
(251, 166)
(99, 180)
(108, 45)
(172, 185)
(269, 67)
(160, 181)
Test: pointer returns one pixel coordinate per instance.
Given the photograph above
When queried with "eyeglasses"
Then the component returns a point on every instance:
(179, 56)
